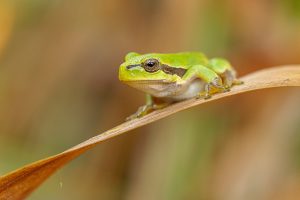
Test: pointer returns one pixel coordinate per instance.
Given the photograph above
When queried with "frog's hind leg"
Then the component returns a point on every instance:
(213, 82)
(224, 69)
(229, 78)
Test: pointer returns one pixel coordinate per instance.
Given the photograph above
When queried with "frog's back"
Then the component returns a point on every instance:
(183, 59)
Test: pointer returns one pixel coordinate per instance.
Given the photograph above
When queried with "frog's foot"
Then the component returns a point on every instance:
(213, 87)
(142, 111)
(145, 109)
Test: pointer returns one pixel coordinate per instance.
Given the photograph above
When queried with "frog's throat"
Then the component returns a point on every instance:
(157, 88)
(165, 68)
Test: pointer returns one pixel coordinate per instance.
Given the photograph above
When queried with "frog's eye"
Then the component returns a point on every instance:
(151, 65)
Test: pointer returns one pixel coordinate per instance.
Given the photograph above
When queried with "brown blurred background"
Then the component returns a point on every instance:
(59, 85)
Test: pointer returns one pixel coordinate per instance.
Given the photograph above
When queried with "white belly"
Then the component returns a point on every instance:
(191, 91)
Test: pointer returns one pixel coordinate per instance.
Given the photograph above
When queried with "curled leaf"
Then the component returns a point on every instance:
(20, 183)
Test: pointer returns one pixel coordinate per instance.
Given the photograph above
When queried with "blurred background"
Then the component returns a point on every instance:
(59, 85)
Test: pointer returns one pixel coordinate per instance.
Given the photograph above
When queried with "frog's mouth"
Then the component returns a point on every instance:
(133, 66)
(157, 88)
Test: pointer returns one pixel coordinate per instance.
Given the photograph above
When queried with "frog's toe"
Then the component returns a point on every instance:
(131, 117)
(226, 89)
(202, 95)
(208, 96)
(237, 82)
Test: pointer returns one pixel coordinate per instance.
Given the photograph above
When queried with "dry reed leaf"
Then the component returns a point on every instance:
(20, 183)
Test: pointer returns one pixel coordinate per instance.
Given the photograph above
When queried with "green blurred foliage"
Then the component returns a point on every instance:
(293, 8)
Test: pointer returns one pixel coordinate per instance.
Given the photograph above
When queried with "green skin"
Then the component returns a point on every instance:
(175, 77)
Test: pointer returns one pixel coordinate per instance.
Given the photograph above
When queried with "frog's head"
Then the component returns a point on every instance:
(147, 67)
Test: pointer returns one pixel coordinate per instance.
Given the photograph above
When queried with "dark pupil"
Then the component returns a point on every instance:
(150, 64)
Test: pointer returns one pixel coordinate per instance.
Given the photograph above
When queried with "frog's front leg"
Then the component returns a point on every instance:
(150, 106)
(213, 82)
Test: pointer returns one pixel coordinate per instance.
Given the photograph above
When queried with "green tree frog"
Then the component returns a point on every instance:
(168, 78)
